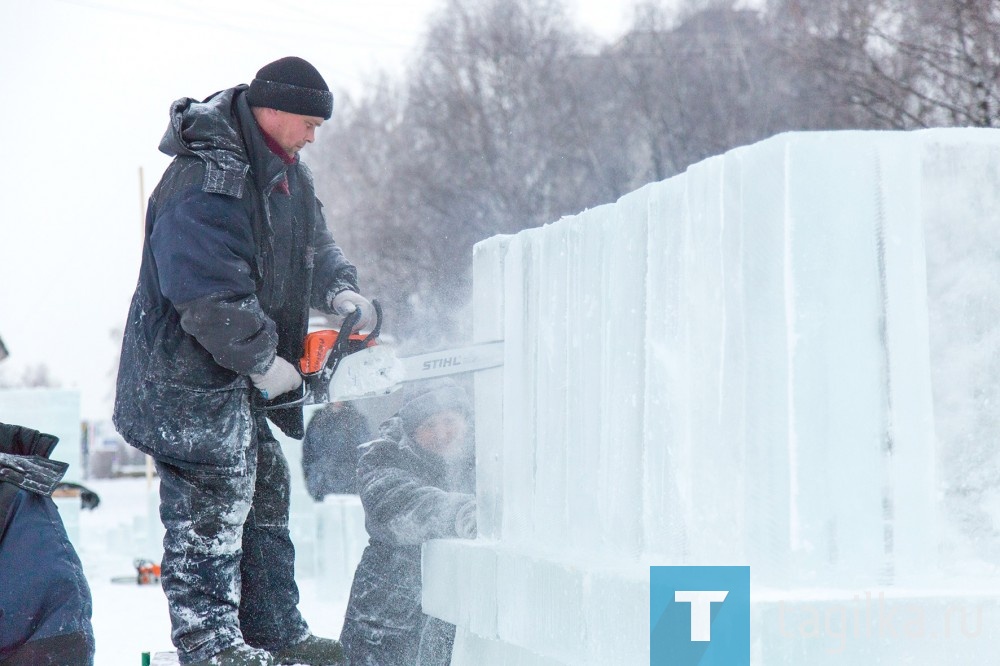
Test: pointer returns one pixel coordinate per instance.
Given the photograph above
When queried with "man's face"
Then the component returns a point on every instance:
(290, 130)
(443, 433)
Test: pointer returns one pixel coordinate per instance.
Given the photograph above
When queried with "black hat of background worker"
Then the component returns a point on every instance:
(432, 397)
(291, 84)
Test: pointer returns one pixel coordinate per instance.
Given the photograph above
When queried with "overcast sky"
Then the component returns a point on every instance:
(85, 87)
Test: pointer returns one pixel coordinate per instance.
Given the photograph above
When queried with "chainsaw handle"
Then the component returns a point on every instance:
(378, 321)
(352, 319)
(347, 328)
(338, 350)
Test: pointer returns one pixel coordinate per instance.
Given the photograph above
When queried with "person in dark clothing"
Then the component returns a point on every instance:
(45, 602)
(330, 450)
(417, 483)
(236, 252)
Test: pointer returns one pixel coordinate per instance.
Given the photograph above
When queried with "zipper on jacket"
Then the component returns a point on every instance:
(269, 253)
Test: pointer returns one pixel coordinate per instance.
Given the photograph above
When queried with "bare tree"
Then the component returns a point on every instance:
(905, 64)
(509, 120)
(710, 79)
(484, 139)
(32, 376)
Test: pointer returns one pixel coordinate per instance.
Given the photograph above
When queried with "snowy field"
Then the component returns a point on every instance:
(131, 619)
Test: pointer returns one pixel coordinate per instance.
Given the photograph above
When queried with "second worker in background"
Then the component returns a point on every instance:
(417, 482)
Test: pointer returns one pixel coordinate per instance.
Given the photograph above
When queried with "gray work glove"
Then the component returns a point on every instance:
(346, 301)
(465, 520)
(281, 377)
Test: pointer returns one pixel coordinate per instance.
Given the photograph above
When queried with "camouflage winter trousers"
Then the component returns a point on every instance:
(228, 563)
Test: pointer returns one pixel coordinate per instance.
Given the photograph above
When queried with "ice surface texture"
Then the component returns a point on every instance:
(733, 366)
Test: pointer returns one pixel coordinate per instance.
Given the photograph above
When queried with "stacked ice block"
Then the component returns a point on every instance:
(732, 366)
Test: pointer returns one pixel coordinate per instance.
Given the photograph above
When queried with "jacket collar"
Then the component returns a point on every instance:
(222, 132)
(269, 169)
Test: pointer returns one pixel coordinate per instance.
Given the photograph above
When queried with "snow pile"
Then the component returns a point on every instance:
(736, 366)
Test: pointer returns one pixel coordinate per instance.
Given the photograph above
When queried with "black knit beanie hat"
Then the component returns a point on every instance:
(291, 84)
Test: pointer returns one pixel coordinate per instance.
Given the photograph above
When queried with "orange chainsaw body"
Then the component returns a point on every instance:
(319, 344)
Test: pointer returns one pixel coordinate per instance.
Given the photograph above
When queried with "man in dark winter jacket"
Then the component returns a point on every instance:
(45, 603)
(417, 483)
(330, 450)
(236, 252)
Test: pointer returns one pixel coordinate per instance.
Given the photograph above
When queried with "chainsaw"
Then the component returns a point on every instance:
(147, 572)
(340, 365)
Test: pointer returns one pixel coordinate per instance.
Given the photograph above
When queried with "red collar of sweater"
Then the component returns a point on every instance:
(285, 157)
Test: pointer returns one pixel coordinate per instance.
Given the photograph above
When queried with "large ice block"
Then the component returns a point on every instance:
(736, 366)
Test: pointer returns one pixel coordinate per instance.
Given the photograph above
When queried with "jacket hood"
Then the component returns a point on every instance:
(222, 132)
(21, 441)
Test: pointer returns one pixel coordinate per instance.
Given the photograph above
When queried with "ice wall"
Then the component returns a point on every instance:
(732, 366)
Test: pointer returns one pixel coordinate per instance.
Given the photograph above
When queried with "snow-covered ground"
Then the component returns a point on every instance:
(131, 619)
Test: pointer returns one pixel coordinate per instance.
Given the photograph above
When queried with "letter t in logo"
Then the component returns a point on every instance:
(701, 610)
(699, 616)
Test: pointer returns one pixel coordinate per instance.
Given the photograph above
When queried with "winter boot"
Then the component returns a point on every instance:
(239, 655)
(313, 651)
